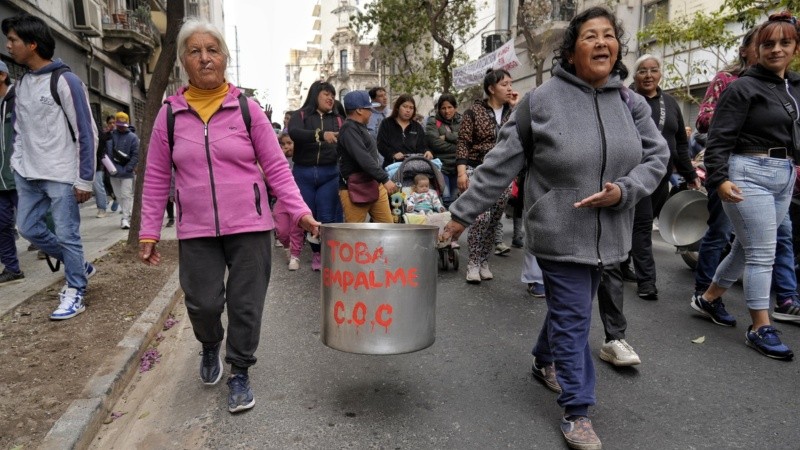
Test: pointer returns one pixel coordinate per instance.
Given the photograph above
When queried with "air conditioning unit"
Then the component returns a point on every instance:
(88, 17)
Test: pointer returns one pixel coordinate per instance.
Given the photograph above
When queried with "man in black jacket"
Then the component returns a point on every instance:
(358, 159)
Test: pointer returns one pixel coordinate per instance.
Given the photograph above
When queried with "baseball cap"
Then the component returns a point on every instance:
(358, 99)
(121, 119)
(3, 67)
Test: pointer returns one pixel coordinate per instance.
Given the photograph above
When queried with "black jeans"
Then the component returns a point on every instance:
(202, 262)
(642, 242)
(609, 303)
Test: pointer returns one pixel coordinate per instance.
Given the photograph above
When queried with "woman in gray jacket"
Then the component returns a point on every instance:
(594, 153)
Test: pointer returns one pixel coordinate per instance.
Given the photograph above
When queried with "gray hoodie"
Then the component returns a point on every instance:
(582, 137)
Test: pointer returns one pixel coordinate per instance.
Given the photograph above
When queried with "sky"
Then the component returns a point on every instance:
(266, 30)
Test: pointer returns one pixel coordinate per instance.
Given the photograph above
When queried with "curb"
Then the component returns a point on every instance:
(79, 424)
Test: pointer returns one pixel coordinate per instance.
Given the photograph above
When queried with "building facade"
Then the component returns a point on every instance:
(335, 54)
(112, 45)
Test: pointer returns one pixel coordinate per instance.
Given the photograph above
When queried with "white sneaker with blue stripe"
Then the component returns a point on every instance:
(71, 304)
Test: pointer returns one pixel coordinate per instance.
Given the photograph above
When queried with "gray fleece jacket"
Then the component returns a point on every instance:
(582, 137)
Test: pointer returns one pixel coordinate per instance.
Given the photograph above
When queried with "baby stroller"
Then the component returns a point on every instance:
(404, 178)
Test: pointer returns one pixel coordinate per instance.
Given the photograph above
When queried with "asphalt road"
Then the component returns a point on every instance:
(472, 389)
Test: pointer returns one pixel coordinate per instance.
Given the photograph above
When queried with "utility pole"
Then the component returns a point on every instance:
(236, 38)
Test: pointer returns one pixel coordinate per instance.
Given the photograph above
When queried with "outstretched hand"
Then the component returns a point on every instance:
(609, 196)
(268, 111)
(452, 231)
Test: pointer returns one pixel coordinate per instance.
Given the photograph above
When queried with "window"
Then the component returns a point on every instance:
(343, 62)
(656, 10)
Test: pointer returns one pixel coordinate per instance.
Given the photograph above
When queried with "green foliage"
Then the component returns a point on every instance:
(684, 36)
(417, 40)
(751, 12)
(706, 31)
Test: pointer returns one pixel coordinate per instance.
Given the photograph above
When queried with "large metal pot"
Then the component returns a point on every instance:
(378, 287)
(683, 218)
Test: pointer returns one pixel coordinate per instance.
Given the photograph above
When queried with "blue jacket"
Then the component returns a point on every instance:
(128, 143)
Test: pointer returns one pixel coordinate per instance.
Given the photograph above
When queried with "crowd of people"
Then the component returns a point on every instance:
(236, 177)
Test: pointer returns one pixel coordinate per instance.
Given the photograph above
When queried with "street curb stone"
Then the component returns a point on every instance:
(78, 426)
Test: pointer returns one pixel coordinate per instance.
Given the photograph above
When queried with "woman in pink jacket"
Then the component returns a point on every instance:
(224, 220)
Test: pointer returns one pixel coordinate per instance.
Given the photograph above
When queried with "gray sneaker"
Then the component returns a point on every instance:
(579, 433)
(547, 375)
(619, 353)
(501, 249)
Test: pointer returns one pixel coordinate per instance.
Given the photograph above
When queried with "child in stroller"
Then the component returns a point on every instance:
(412, 171)
(422, 199)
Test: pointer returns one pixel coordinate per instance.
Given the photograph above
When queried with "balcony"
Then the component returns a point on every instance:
(131, 35)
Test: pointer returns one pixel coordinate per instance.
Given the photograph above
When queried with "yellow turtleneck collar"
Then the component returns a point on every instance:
(206, 101)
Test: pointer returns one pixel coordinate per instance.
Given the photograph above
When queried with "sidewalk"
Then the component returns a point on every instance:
(98, 236)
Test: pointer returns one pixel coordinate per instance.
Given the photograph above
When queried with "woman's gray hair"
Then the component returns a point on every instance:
(646, 57)
(192, 26)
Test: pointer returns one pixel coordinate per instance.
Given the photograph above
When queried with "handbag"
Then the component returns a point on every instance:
(362, 188)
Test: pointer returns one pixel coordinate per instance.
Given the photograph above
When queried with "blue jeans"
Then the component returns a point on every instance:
(319, 186)
(8, 248)
(100, 198)
(35, 198)
(766, 185)
(450, 189)
(564, 338)
(713, 243)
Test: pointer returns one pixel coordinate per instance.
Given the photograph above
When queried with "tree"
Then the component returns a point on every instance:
(707, 32)
(406, 31)
(686, 37)
(155, 93)
(534, 24)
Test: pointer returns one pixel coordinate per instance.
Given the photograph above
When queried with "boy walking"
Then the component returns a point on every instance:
(54, 154)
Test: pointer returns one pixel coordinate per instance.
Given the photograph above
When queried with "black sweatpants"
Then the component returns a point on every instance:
(202, 264)
(610, 301)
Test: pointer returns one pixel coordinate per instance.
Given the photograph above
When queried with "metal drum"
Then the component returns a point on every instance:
(683, 218)
(378, 287)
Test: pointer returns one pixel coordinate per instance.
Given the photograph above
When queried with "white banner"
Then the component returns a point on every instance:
(472, 73)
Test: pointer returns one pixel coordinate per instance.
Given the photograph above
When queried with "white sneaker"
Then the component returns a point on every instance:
(619, 353)
(70, 304)
(125, 225)
(501, 249)
(278, 243)
(101, 213)
(473, 274)
(294, 263)
(484, 271)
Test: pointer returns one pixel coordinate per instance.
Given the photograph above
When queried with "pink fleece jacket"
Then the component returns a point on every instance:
(219, 189)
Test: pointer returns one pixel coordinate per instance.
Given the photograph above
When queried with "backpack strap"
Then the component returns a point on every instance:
(524, 130)
(54, 76)
(625, 94)
(170, 129)
(245, 112)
